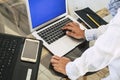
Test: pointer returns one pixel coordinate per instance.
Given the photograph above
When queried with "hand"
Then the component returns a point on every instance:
(59, 63)
(73, 30)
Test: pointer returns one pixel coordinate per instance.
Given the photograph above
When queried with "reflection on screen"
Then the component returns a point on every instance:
(44, 10)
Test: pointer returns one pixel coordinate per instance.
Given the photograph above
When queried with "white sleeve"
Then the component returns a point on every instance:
(93, 34)
(105, 50)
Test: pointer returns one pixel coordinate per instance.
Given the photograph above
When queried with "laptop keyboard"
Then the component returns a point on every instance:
(54, 32)
(8, 55)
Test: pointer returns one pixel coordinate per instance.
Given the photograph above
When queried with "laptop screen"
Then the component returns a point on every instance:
(42, 11)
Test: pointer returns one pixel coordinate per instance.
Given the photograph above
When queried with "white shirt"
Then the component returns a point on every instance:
(105, 52)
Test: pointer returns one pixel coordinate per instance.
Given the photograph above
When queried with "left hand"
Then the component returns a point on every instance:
(59, 63)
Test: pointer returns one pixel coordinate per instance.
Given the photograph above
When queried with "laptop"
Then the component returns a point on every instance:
(11, 65)
(45, 16)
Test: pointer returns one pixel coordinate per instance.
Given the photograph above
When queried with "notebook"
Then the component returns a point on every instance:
(49, 16)
(90, 18)
(11, 65)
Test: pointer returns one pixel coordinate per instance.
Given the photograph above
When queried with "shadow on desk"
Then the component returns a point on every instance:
(75, 53)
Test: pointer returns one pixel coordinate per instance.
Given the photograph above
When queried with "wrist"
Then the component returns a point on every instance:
(81, 35)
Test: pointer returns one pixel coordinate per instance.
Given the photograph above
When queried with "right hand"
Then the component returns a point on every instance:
(73, 30)
(59, 63)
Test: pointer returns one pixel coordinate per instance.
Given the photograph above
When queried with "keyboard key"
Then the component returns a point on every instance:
(54, 32)
(8, 55)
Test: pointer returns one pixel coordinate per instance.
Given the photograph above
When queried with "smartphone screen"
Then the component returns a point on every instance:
(30, 50)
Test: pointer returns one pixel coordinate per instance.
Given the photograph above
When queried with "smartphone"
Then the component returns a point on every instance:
(30, 50)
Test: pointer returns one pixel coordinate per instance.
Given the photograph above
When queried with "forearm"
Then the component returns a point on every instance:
(88, 62)
(93, 34)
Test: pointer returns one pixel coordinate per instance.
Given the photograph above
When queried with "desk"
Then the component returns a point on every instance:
(44, 73)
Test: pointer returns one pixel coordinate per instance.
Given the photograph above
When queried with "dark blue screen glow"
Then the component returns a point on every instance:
(44, 10)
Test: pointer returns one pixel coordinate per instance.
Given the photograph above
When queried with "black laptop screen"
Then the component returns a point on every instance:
(41, 11)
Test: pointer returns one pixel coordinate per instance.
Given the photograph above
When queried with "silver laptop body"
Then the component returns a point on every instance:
(61, 46)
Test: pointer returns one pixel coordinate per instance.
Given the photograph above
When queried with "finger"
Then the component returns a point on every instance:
(68, 28)
(55, 65)
(70, 34)
(58, 69)
(65, 27)
(54, 61)
(55, 68)
(68, 24)
(56, 57)
(66, 58)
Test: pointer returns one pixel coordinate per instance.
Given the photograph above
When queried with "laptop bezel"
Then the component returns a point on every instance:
(43, 25)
